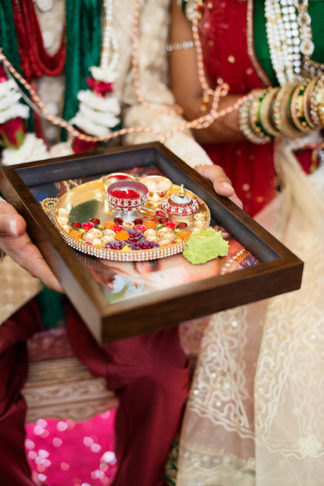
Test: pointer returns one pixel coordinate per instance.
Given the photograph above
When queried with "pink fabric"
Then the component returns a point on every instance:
(67, 453)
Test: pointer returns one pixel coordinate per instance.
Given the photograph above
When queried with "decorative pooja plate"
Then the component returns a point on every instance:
(136, 219)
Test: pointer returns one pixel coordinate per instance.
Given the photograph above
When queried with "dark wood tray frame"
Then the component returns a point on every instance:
(279, 271)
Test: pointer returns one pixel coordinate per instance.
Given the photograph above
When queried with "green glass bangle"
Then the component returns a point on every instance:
(262, 128)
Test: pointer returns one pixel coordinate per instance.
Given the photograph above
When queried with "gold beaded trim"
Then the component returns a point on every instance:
(306, 102)
(296, 109)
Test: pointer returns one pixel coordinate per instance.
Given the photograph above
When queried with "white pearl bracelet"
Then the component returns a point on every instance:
(178, 46)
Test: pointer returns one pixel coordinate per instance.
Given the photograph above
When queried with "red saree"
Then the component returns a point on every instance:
(226, 30)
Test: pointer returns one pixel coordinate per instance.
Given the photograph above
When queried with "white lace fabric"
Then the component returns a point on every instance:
(258, 391)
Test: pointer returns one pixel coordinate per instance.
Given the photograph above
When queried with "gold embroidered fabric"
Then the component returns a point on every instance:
(16, 288)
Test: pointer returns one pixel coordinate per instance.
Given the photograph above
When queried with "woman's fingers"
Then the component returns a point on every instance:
(222, 184)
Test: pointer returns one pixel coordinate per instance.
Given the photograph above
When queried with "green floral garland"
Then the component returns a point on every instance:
(83, 46)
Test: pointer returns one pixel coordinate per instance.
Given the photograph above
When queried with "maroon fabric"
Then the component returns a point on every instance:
(150, 376)
(14, 469)
(20, 326)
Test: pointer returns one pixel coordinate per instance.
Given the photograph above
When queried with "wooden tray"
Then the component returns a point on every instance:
(274, 269)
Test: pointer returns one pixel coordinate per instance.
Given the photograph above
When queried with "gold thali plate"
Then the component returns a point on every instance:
(89, 200)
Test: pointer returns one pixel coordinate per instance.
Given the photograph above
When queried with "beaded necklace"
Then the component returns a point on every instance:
(289, 34)
(35, 60)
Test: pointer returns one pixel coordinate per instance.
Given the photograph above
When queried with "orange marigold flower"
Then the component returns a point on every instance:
(122, 235)
(75, 234)
(149, 223)
(109, 224)
(184, 235)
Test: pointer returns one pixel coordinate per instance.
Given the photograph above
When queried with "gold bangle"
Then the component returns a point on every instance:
(296, 109)
(320, 103)
(321, 109)
(264, 113)
(306, 103)
(314, 101)
(280, 112)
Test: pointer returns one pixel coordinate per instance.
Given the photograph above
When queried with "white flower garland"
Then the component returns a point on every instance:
(98, 114)
(99, 103)
(10, 107)
(89, 126)
(32, 149)
(107, 71)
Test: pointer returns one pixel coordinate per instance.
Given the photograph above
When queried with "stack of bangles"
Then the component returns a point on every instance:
(291, 111)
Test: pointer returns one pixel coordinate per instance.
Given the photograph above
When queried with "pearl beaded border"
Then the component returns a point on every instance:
(118, 255)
